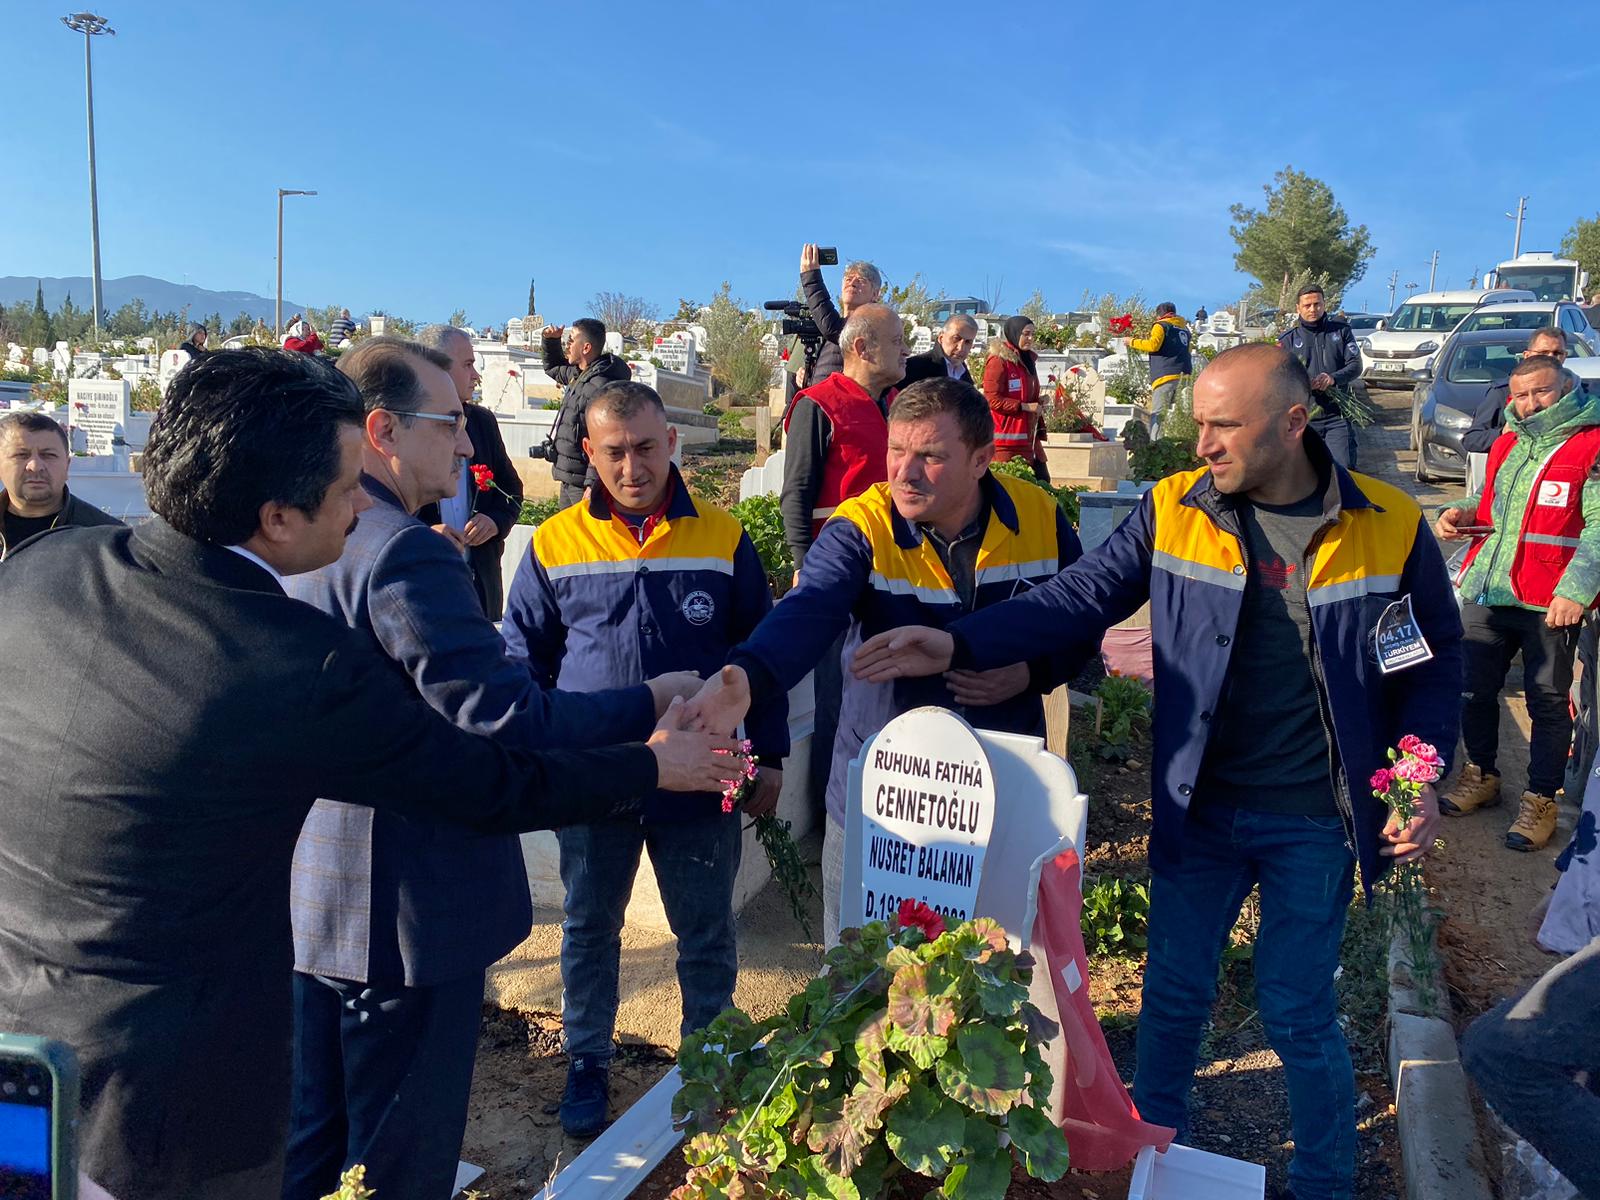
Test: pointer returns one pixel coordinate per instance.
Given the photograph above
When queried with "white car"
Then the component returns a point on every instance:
(1397, 352)
(1532, 315)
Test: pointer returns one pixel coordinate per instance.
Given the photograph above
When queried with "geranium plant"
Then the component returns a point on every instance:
(917, 1052)
(1416, 764)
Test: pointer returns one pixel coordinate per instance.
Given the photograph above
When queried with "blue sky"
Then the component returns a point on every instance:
(658, 149)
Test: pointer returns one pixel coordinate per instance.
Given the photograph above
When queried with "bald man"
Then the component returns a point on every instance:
(1267, 572)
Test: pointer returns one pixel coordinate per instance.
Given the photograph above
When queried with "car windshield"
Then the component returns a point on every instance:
(1363, 324)
(1482, 362)
(1429, 318)
(1544, 282)
(1507, 318)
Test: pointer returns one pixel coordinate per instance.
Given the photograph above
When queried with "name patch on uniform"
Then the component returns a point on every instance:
(1400, 643)
(698, 608)
(1555, 493)
(1013, 385)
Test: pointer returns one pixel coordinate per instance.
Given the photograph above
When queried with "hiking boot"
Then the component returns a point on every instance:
(1535, 823)
(587, 1098)
(1473, 790)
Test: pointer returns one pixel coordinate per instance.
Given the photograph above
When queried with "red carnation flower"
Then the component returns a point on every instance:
(916, 914)
(483, 477)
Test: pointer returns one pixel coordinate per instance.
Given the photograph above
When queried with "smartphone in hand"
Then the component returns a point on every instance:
(828, 256)
(38, 1118)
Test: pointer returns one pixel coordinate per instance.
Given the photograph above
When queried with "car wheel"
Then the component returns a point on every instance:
(1422, 473)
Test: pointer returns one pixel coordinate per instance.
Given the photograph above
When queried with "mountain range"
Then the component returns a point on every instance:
(159, 295)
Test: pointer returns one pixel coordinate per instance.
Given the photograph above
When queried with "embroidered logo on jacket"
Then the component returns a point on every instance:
(699, 608)
(1555, 493)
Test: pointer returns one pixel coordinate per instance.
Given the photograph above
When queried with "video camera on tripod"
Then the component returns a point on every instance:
(797, 323)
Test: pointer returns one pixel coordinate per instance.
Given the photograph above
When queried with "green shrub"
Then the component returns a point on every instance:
(763, 521)
(1116, 916)
(145, 396)
(1124, 715)
(908, 1055)
(536, 512)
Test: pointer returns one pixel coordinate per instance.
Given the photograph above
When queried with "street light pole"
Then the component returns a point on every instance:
(91, 26)
(1522, 211)
(1433, 269)
(277, 312)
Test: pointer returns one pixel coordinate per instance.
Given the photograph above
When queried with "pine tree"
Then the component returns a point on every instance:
(531, 308)
(42, 331)
(1303, 231)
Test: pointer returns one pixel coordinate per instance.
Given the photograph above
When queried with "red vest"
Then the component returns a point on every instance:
(1548, 537)
(859, 451)
(1017, 434)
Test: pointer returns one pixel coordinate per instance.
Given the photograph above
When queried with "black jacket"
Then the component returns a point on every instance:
(582, 386)
(167, 718)
(1489, 422)
(930, 364)
(829, 320)
(74, 513)
(488, 450)
(1327, 347)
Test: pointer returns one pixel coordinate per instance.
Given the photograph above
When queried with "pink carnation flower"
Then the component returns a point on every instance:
(1415, 770)
(1381, 779)
(1409, 744)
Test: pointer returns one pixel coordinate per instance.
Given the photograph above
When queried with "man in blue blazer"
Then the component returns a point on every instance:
(396, 918)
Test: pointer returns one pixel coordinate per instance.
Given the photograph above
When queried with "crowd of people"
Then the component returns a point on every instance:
(271, 753)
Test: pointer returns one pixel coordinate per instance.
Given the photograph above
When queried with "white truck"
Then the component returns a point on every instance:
(1543, 274)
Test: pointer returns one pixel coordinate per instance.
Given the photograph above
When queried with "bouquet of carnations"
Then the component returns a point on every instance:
(783, 856)
(1120, 326)
(1415, 764)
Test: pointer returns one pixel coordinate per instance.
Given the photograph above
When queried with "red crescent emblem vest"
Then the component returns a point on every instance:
(1553, 522)
(859, 451)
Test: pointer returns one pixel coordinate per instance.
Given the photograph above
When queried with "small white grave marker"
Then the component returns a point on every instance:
(927, 805)
(99, 407)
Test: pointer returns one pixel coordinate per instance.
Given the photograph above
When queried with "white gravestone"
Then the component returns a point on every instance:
(921, 339)
(377, 324)
(172, 361)
(676, 352)
(927, 807)
(1036, 808)
(99, 407)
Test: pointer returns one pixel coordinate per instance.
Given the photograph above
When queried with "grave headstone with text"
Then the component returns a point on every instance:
(101, 409)
(927, 806)
(377, 324)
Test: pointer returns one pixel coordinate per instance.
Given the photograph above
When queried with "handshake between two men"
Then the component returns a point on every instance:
(693, 739)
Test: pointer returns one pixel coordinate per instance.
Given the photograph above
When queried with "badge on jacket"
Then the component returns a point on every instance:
(698, 608)
(1555, 493)
(1398, 638)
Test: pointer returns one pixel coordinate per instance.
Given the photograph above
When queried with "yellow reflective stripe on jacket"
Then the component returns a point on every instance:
(1354, 558)
(1003, 555)
(575, 542)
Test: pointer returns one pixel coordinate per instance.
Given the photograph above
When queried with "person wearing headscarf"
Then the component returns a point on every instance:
(1011, 386)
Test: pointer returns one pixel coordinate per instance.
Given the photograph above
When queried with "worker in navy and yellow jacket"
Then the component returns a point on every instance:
(943, 537)
(639, 575)
(1268, 574)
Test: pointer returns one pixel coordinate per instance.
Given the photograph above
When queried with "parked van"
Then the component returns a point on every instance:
(1396, 352)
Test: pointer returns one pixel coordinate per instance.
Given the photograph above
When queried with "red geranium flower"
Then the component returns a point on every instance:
(916, 914)
(483, 477)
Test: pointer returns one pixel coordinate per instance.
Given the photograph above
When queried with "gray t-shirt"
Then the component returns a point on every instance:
(1270, 749)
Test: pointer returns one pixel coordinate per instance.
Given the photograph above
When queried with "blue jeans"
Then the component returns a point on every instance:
(695, 863)
(381, 1077)
(1340, 437)
(1306, 874)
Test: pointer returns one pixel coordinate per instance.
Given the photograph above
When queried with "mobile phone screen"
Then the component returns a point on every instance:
(25, 1139)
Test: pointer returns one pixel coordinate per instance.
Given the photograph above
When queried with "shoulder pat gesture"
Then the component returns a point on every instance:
(690, 762)
(903, 653)
(721, 702)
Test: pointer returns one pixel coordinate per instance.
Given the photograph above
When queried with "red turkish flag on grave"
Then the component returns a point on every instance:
(1103, 1128)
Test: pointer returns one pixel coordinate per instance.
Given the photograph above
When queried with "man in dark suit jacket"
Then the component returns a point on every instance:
(167, 716)
(396, 918)
(484, 515)
(947, 358)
